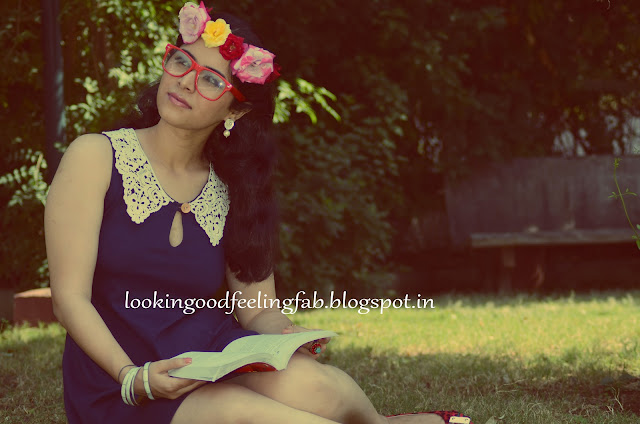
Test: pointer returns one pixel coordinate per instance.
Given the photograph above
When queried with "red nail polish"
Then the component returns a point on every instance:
(188, 360)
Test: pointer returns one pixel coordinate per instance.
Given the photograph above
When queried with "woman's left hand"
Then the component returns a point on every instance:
(306, 348)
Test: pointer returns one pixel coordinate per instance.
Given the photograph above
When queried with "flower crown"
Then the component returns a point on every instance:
(248, 63)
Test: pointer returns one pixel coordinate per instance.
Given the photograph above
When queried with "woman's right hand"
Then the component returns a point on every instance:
(162, 384)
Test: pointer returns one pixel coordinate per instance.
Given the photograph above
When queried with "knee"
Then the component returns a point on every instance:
(315, 380)
(305, 370)
(306, 385)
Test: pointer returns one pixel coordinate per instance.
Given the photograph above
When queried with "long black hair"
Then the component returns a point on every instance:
(245, 162)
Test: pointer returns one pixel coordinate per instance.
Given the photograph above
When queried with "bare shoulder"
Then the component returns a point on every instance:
(91, 147)
(88, 157)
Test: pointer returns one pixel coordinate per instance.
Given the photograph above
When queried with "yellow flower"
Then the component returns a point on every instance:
(216, 33)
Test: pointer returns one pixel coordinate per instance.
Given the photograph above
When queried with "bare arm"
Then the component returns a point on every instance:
(73, 216)
(263, 320)
(266, 320)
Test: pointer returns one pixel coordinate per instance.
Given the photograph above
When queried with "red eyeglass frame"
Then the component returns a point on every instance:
(199, 68)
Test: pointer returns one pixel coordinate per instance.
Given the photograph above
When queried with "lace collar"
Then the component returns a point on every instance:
(144, 195)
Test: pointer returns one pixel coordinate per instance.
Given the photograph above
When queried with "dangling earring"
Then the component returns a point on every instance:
(228, 124)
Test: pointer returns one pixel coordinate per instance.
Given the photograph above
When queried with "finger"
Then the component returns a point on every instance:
(305, 351)
(162, 385)
(323, 342)
(168, 364)
(288, 329)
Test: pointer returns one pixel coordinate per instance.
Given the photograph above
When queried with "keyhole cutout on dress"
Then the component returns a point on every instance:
(175, 234)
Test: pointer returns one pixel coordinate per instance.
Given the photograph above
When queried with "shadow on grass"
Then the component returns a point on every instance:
(566, 389)
(486, 387)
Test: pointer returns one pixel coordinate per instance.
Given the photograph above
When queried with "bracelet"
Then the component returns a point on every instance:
(316, 349)
(124, 388)
(128, 387)
(121, 369)
(145, 380)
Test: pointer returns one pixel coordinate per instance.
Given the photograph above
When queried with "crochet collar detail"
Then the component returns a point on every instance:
(144, 195)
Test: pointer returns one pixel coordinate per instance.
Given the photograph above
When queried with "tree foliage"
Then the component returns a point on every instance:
(425, 90)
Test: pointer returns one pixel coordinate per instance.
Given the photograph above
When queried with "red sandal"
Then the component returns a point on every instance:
(449, 417)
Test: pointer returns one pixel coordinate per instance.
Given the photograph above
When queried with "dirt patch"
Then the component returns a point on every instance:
(7, 382)
(630, 397)
(621, 395)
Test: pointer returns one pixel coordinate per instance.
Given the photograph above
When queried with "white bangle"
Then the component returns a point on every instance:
(123, 387)
(145, 380)
(128, 387)
(125, 391)
(132, 387)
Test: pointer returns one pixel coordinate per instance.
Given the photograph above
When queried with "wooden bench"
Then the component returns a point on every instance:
(507, 244)
(536, 203)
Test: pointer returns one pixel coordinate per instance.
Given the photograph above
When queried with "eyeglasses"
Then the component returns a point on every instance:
(210, 84)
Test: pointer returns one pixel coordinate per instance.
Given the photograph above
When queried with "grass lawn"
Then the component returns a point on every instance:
(530, 360)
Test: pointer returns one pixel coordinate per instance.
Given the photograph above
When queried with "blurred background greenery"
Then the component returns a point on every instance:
(380, 102)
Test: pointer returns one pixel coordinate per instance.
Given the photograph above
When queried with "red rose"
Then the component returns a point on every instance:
(275, 74)
(232, 48)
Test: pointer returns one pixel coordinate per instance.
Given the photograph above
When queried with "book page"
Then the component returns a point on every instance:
(272, 344)
(210, 366)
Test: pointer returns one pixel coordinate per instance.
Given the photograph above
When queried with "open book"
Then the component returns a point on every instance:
(263, 352)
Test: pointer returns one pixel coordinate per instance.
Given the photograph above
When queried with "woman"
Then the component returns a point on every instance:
(140, 214)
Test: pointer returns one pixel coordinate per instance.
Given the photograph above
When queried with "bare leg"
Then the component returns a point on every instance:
(228, 403)
(307, 392)
(322, 390)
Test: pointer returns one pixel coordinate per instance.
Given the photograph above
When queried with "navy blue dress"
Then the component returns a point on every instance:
(142, 284)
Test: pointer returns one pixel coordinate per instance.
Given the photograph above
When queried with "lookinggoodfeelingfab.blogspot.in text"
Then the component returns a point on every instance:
(234, 300)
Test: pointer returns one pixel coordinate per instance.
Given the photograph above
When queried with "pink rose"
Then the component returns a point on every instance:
(193, 19)
(254, 66)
